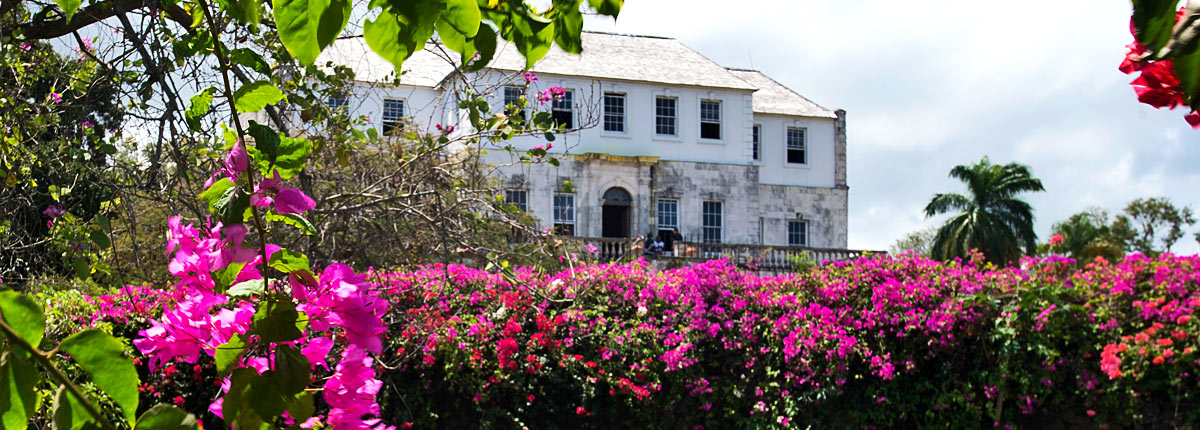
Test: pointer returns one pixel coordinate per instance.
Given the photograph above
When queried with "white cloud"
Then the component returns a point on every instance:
(932, 84)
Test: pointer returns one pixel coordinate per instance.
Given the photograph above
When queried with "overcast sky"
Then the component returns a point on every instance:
(931, 84)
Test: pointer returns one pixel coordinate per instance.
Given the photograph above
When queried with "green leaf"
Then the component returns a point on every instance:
(254, 96)
(69, 414)
(307, 26)
(532, 36)
(103, 357)
(567, 28)
(232, 205)
(69, 7)
(293, 154)
(266, 141)
(252, 287)
(103, 222)
(276, 321)
(18, 401)
(1153, 21)
(215, 192)
(247, 57)
(485, 43)
(287, 261)
(24, 315)
(292, 370)
(401, 29)
(199, 106)
(294, 220)
(235, 408)
(223, 278)
(456, 41)
(100, 239)
(245, 11)
(463, 15)
(301, 407)
(228, 354)
(166, 417)
(607, 7)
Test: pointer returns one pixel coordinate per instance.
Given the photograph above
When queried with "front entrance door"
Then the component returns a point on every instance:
(615, 213)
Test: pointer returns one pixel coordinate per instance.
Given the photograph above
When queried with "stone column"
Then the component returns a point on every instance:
(839, 149)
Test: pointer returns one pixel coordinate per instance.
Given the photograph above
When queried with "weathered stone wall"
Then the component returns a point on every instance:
(753, 213)
(824, 209)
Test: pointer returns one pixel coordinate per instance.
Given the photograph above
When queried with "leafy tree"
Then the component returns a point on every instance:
(991, 218)
(1087, 235)
(920, 241)
(1151, 225)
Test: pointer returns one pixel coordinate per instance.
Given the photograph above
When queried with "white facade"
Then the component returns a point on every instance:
(709, 188)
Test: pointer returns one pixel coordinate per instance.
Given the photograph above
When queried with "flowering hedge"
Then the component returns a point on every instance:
(886, 342)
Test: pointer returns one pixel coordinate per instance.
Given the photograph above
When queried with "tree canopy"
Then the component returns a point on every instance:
(990, 218)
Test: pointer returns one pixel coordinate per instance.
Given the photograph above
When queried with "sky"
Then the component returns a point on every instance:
(931, 84)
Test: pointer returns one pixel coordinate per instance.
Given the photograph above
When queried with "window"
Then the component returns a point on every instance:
(712, 221)
(564, 214)
(710, 119)
(795, 146)
(512, 97)
(519, 198)
(337, 102)
(755, 147)
(614, 112)
(664, 116)
(668, 214)
(561, 109)
(797, 233)
(393, 110)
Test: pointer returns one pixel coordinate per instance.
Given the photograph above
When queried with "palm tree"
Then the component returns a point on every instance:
(992, 219)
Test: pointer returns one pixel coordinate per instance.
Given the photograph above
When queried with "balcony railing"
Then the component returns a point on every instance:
(759, 256)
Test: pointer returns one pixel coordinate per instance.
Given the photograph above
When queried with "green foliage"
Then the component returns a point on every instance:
(992, 218)
(102, 357)
(308, 26)
(1151, 225)
(255, 96)
(1087, 235)
(920, 241)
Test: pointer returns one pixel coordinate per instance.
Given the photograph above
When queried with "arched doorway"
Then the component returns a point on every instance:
(616, 208)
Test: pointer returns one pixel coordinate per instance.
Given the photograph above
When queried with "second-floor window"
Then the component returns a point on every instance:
(664, 116)
(561, 110)
(393, 110)
(564, 214)
(797, 233)
(710, 119)
(518, 198)
(614, 112)
(337, 102)
(796, 146)
(512, 99)
(756, 145)
(711, 221)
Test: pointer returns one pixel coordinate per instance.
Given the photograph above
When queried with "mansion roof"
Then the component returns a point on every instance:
(648, 59)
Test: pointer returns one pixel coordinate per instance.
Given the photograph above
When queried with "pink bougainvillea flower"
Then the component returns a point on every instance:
(529, 77)
(54, 211)
(56, 97)
(351, 392)
(293, 201)
(1056, 239)
(553, 93)
(236, 162)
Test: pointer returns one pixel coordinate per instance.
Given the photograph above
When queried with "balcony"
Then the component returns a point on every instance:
(761, 257)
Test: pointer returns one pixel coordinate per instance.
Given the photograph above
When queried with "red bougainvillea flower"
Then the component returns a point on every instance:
(1056, 239)
(1158, 86)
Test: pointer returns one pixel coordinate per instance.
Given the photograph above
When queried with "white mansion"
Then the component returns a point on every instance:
(671, 140)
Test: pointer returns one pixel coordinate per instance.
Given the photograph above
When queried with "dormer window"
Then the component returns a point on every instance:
(664, 116)
(796, 146)
(393, 110)
(710, 119)
(512, 101)
(562, 109)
